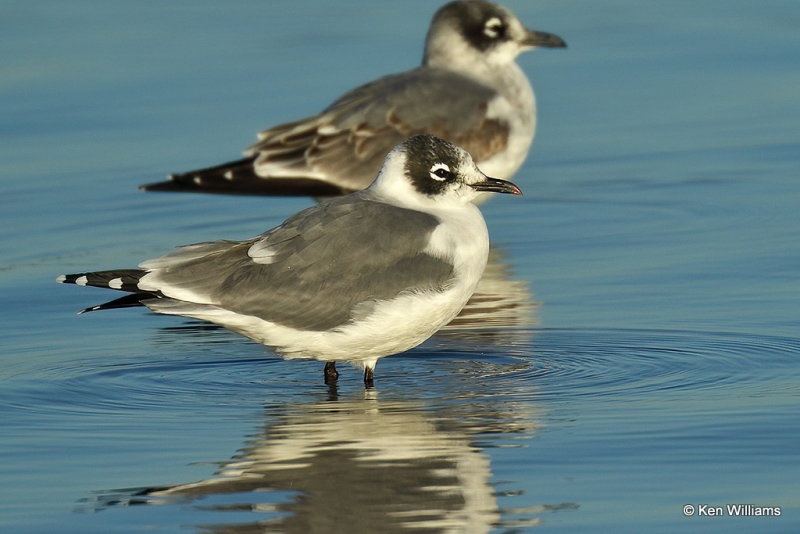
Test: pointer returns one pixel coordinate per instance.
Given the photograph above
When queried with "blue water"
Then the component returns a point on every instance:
(647, 353)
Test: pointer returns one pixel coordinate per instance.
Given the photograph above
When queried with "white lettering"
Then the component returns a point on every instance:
(751, 510)
(704, 509)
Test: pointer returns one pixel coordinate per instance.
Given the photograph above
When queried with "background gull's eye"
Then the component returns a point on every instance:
(494, 28)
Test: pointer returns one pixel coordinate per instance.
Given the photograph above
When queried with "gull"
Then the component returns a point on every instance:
(352, 279)
(469, 90)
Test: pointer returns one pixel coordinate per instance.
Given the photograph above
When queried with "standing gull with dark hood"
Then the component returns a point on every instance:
(469, 90)
(351, 279)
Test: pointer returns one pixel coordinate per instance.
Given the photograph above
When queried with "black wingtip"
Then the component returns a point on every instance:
(256, 186)
(128, 301)
(239, 178)
(168, 185)
(216, 179)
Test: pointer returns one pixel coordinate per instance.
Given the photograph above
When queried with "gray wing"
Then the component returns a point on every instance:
(347, 143)
(314, 271)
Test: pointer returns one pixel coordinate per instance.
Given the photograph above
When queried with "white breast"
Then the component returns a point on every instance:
(515, 106)
(463, 240)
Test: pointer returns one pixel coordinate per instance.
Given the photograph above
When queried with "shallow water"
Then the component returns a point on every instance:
(640, 348)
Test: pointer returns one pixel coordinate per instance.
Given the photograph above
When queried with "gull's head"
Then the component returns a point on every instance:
(427, 171)
(465, 33)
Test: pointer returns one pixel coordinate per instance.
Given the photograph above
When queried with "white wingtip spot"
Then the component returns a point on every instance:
(115, 283)
(197, 180)
(61, 279)
(228, 175)
(81, 281)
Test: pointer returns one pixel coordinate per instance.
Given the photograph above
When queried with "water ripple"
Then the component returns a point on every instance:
(597, 362)
(534, 364)
(188, 383)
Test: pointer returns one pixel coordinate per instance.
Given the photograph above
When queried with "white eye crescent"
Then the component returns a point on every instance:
(493, 28)
(440, 172)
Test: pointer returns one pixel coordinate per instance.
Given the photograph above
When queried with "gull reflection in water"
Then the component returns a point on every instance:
(356, 465)
(500, 306)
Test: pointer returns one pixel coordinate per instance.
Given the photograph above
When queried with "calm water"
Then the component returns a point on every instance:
(644, 350)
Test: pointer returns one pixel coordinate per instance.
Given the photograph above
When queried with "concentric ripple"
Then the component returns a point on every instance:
(167, 382)
(531, 364)
(580, 362)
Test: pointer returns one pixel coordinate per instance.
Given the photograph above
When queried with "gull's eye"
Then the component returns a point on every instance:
(494, 28)
(441, 172)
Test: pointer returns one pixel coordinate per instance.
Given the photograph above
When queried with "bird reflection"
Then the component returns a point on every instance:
(354, 465)
(500, 309)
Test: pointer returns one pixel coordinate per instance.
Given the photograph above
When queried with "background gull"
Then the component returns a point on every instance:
(352, 279)
(469, 90)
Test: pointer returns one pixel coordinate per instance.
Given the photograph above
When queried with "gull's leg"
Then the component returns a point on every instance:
(368, 374)
(331, 374)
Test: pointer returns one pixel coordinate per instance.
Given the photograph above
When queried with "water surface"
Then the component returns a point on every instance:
(640, 351)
